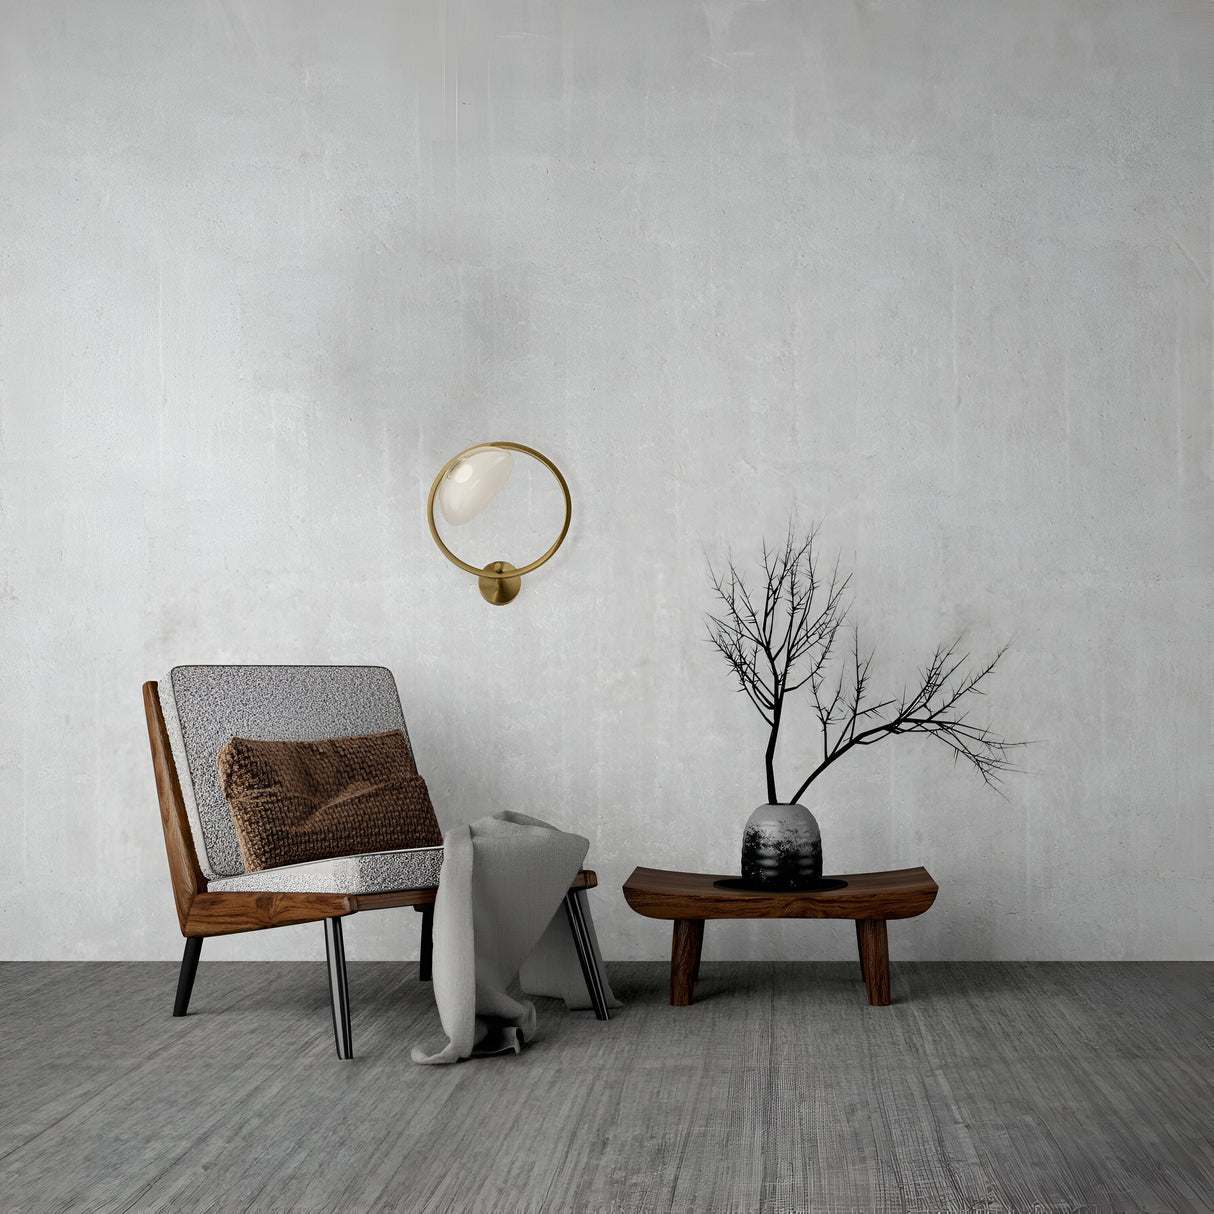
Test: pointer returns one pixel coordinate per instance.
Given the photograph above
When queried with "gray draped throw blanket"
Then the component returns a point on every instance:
(498, 911)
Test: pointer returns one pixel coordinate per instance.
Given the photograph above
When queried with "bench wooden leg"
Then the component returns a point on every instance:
(685, 949)
(874, 959)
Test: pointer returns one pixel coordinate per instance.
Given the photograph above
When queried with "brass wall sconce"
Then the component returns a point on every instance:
(467, 483)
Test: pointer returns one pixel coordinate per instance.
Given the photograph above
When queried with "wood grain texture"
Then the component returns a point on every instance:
(994, 1087)
(873, 943)
(223, 914)
(662, 894)
(184, 872)
(686, 946)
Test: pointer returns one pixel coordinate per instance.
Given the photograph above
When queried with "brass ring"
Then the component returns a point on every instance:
(485, 573)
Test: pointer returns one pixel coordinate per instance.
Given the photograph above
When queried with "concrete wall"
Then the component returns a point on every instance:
(936, 275)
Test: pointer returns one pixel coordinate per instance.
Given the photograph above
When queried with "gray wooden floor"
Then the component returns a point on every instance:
(985, 1087)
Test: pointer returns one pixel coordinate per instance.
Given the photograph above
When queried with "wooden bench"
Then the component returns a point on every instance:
(868, 898)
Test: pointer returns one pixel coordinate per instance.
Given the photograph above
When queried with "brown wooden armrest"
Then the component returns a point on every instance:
(225, 913)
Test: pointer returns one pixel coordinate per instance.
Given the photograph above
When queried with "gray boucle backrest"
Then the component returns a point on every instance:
(204, 706)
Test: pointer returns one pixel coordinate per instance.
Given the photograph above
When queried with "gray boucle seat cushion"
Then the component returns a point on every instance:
(377, 872)
(205, 706)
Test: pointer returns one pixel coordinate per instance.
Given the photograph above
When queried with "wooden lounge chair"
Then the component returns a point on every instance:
(190, 715)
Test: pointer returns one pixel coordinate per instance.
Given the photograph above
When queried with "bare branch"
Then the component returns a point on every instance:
(787, 641)
(934, 710)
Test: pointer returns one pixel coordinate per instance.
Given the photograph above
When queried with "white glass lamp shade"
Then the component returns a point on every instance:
(472, 482)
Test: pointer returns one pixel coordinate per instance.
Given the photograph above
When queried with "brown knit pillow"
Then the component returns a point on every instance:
(298, 801)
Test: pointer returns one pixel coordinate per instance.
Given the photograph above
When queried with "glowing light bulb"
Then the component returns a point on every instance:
(472, 482)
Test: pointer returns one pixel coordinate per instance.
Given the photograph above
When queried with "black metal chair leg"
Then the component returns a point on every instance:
(425, 964)
(585, 954)
(185, 976)
(339, 992)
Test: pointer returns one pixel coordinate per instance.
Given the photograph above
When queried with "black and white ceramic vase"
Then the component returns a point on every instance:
(781, 848)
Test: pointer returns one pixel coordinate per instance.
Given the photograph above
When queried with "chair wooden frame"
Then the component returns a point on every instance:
(202, 913)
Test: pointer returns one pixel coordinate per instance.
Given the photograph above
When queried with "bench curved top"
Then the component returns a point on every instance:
(663, 894)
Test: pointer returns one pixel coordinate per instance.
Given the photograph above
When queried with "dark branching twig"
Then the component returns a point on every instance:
(789, 643)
